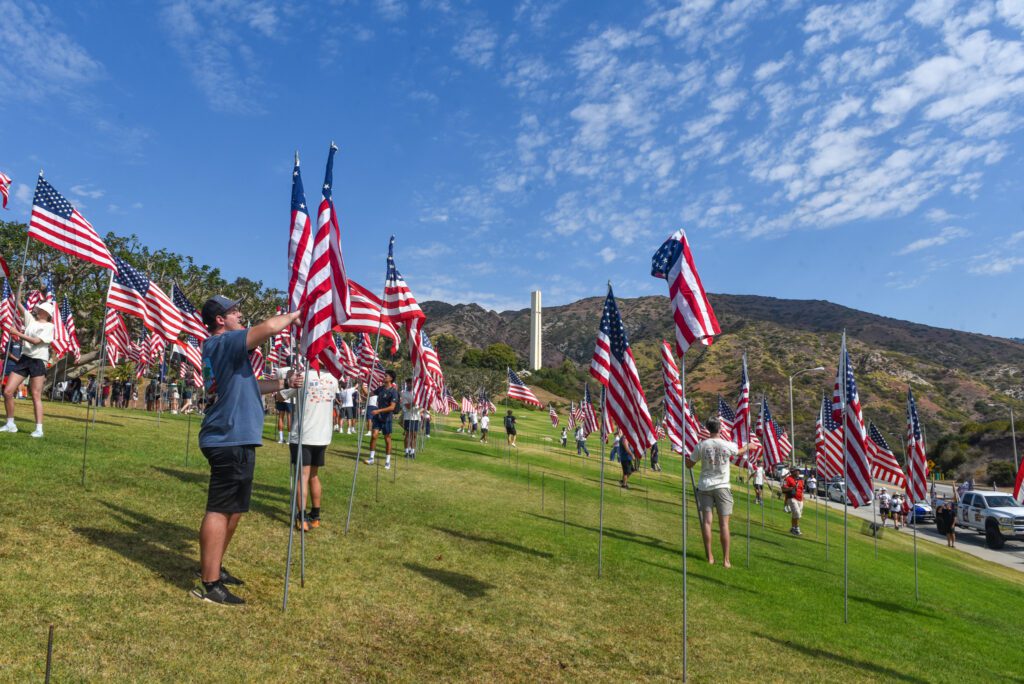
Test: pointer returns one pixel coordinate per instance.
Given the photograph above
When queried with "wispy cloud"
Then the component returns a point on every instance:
(477, 45)
(89, 191)
(944, 236)
(391, 10)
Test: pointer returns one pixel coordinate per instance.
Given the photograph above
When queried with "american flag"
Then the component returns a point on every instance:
(768, 436)
(192, 322)
(43, 295)
(859, 488)
(157, 346)
(917, 461)
(117, 340)
(61, 344)
(673, 398)
(142, 358)
(4, 267)
(613, 366)
(585, 413)
(5, 188)
(133, 293)
(726, 419)
(257, 362)
(828, 443)
(190, 348)
(487, 404)
(466, 406)
(366, 316)
(56, 223)
(369, 364)
(884, 465)
(741, 420)
(785, 446)
(1018, 485)
(348, 358)
(553, 414)
(427, 376)
(572, 416)
(7, 317)
(691, 311)
(300, 244)
(695, 432)
(399, 304)
(517, 389)
(68, 319)
(326, 302)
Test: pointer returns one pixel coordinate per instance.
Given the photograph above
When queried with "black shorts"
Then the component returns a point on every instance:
(382, 423)
(311, 455)
(411, 425)
(510, 431)
(29, 368)
(231, 472)
(283, 407)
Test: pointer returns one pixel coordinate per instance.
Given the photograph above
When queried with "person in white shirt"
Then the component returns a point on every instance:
(316, 428)
(759, 484)
(348, 410)
(473, 422)
(35, 352)
(284, 407)
(410, 418)
(371, 406)
(713, 488)
(485, 426)
(581, 441)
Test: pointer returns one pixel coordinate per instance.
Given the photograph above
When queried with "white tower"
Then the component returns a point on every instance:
(535, 348)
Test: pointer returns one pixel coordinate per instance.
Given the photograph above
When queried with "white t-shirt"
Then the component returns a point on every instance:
(317, 414)
(282, 372)
(759, 476)
(485, 423)
(580, 435)
(44, 331)
(409, 410)
(472, 417)
(347, 397)
(714, 455)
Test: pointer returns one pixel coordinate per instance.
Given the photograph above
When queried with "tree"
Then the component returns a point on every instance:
(450, 349)
(499, 357)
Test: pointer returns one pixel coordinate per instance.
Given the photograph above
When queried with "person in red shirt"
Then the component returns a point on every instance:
(793, 488)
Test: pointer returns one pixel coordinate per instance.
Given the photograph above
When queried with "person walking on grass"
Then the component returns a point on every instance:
(713, 488)
(282, 406)
(759, 484)
(386, 402)
(655, 465)
(410, 419)
(510, 429)
(485, 427)
(35, 352)
(581, 441)
(793, 488)
(626, 459)
(462, 421)
(349, 422)
(883, 506)
(473, 422)
(232, 429)
(425, 422)
(565, 436)
(315, 428)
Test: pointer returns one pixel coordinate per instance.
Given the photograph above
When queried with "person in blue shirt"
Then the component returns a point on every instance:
(232, 429)
(387, 402)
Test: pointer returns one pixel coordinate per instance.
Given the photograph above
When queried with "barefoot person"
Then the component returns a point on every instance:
(35, 352)
(713, 488)
(232, 429)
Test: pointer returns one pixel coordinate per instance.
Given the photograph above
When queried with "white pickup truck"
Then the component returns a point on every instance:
(994, 514)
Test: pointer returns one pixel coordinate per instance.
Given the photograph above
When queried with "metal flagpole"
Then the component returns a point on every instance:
(297, 492)
(600, 515)
(874, 526)
(682, 483)
(369, 379)
(99, 379)
(17, 302)
(508, 451)
(748, 520)
(913, 504)
(846, 485)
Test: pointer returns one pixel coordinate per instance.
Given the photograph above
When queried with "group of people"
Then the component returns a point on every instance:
(895, 507)
(471, 421)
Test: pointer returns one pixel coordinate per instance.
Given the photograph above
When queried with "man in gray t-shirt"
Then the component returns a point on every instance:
(713, 491)
(232, 429)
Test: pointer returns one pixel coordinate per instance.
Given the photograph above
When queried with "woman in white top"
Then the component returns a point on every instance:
(316, 428)
(35, 353)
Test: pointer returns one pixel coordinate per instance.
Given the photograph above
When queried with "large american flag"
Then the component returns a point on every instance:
(553, 414)
(7, 318)
(348, 358)
(673, 398)
(571, 419)
(695, 432)
(884, 465)
(190, 348)
(741, 419)
(326, 302)
(68, 319)
(192, 322)
(585, 413)
(117, 340)
(726, 418)
(399, 304)
(785, 446)
(366, 316)
(5, 187)
(828, 443)
(917, 461)
(691, 311)
(61, 344)
(859, 489)
(300, 243)
(133, 293)
(613, 366)
(517, 389)
(768, 436)
(43, 295)
(56, 223)
(427, 376)
(257, 362)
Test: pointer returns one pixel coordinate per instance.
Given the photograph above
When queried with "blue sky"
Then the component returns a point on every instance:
(866, 153)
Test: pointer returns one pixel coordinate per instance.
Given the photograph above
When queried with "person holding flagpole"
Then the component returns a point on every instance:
(232, 429)
(35, 352)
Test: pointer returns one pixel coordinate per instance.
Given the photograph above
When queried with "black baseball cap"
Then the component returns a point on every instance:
(217, 305)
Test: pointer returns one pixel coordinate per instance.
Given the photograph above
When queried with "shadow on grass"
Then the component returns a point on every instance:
(155, 544)
(203, 478)
(881, 671)
(622, 535)
(468, 586)
(496, 542)
(690, 573)
(269, 500)
(89, 420)
(799, 565)
(892, 607)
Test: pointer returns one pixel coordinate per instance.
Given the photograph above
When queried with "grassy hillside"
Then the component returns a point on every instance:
(462, 567)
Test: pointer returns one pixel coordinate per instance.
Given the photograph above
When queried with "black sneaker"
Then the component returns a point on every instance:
(225, 577)
(218, 594)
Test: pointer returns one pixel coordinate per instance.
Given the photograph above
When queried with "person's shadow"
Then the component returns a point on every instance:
(162, 547)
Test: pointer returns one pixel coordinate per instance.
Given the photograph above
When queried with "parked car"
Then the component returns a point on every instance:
(921, 511)
(996, 515)
(836, 491)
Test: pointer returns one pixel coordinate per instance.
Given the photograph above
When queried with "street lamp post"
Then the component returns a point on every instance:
(792, 432)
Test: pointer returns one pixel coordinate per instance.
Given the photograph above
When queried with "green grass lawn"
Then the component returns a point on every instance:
(456, 571)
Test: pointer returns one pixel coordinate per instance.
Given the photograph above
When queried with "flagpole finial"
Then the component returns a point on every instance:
(296, 157)
(333, 145)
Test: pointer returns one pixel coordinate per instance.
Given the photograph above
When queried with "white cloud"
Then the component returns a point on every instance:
(994, 264)
(390, 10)
(607, 255)
(1015, 238)
(939, 215)
(931, 12)
(1012, 11)
(770, 69)
(87, 191)
(431, 251)
(944, 236)
(477, 46)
